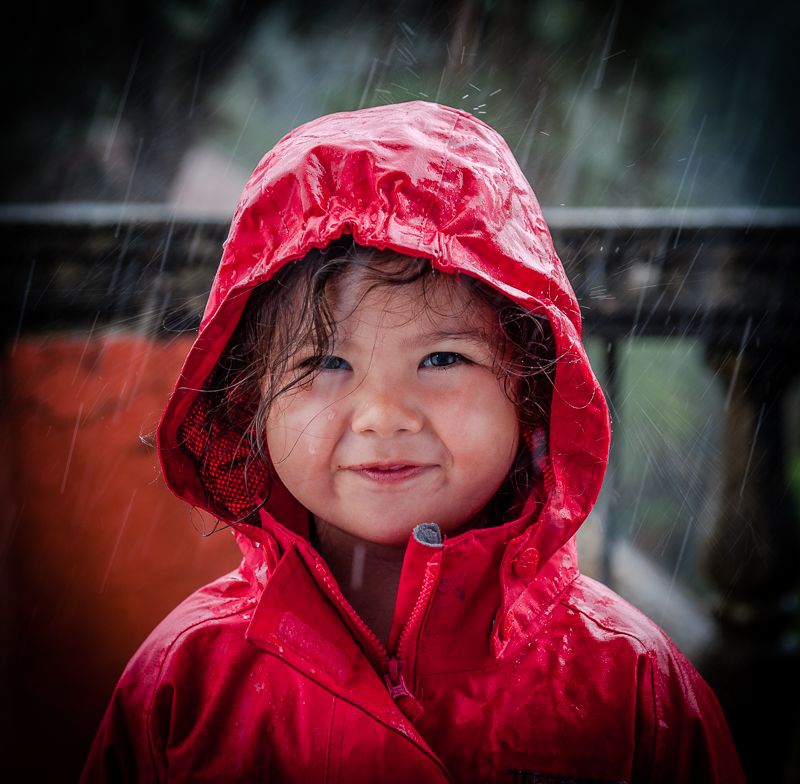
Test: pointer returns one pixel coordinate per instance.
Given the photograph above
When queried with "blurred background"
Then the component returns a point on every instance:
(660, 138)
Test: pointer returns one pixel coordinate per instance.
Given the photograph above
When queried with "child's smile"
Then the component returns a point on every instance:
(390, 472)
(406, 422)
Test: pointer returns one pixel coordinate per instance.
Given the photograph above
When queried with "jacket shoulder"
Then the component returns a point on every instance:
(681, 731)
(219, 603)
(608, 611)
(128, 744)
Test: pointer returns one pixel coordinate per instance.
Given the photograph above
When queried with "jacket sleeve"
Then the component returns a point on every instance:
(682, 733)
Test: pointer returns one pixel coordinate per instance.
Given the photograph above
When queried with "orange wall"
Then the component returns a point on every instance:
(94, 548)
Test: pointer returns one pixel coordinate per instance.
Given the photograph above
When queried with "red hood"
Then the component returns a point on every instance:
(424, 180)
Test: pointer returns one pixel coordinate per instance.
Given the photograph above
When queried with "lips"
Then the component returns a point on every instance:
(392, 472)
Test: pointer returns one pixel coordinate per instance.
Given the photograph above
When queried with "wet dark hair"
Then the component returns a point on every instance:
(294, 309)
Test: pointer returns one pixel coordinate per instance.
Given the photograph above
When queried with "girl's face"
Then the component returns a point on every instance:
(407, 421)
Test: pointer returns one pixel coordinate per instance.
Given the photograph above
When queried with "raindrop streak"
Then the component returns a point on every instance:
(152, 319)
(577, 93)
(635, 514)
(112, 284)
(761, 196)
(752, 449)
(689, 526)
(196, 86)
(612, 29)
(407, 55)
(653, 310)
(71, 449)
(689, 161)
(241, 135)
(119, 539)
(22, 309)
(441, 83)
(745, 337)
(409, 31)
(368, 85)
(167, 243)
(685, 277)
(688, 202)
(627, 101)
(123, 100)
(528, 131)
(125, 201)
(637, 315)
(89, 335)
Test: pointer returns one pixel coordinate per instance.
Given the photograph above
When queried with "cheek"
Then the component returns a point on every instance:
(483, 428)
(277, 441)
(300, 427)
(278, 431)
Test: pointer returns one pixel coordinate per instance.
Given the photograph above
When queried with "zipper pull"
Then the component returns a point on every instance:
(399, 691)
(395, 680)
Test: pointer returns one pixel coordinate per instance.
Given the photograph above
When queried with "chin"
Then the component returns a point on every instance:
(394, 537)
(394, 534)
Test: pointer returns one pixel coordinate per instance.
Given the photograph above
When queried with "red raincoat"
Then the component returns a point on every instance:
(506, 664)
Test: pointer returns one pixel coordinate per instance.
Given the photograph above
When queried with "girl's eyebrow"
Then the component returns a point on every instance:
(473, 335)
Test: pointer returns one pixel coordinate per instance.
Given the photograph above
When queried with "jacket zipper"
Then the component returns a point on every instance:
(377, 648)
(419, 607)
(392, 667)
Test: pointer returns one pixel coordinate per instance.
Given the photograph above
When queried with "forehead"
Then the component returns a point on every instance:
(436, 302)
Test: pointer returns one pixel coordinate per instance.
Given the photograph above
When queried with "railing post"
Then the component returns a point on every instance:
(611, 520)
(752, 557)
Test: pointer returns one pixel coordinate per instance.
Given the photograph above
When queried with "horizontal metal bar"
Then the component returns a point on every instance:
(572, 218)
(709, 272)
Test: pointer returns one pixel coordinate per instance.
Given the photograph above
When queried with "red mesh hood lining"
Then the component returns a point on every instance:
(235, 479)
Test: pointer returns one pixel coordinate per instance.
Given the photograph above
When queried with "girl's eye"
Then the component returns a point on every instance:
(313, 364)
(332, 363)
(443, 359)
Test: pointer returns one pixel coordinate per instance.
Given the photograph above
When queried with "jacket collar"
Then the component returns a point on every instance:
(492, 594)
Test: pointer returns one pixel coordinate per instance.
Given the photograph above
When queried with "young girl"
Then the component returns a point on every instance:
(389, 402)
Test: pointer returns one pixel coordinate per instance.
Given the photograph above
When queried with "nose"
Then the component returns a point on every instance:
(385, 411)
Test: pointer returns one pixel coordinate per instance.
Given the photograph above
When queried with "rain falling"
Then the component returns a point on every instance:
(660, 142)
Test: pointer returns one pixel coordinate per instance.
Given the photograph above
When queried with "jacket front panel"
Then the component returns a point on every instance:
(251, 685)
